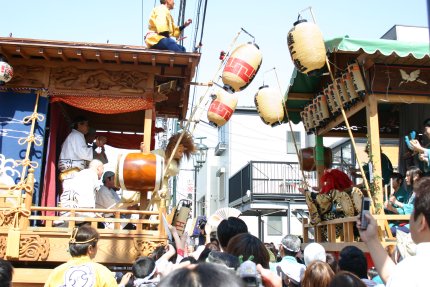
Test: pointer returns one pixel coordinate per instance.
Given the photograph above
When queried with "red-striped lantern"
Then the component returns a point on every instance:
(222, 107)
(241, 67)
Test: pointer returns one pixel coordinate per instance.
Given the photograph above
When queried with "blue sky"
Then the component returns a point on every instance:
(269, 21)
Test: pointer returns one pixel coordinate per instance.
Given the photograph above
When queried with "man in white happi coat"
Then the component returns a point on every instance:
(75, 152)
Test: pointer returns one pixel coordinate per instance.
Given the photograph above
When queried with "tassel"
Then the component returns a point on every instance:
(13, 239)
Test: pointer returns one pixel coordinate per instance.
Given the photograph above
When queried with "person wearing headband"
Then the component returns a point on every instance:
(81, 270)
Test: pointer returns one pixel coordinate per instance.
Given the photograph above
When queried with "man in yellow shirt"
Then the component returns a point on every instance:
(162, 28)
(80, 270)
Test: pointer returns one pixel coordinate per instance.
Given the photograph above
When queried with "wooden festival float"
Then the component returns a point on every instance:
(118, 88)
(375, 83)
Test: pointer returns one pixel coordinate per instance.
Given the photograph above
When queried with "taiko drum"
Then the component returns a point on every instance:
(139, 171)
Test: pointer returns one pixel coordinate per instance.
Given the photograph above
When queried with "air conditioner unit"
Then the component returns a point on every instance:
(220, 148)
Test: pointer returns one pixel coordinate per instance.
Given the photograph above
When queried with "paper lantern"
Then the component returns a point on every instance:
(307, 158)
(310, 118)
(352, 94)
(6, 72)
(330, 103)
(222, 107)
(335, 103)
(268, 102)
(321, 101)
(304, 116)
(241, 67)
(306, 45)
(357, 79)
(344, 98)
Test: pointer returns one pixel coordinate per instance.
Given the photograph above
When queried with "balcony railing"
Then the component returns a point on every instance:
(263, 180)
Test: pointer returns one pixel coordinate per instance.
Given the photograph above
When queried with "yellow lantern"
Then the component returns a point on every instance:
(268, 102)
(241, 67)
(306, 45)
(357, 79)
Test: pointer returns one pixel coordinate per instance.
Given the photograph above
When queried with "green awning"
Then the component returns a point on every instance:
(387, 51)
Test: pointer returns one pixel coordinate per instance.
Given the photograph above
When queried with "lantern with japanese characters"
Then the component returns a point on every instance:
(306, 45)
(222, 107)
(241, 67)
(268, 102)
(6, 71)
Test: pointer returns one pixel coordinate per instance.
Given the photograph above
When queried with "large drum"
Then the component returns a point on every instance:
(139, 171)
(308, 162)
(241, 67)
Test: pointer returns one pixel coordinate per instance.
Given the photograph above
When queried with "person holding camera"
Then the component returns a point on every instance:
(411, 271)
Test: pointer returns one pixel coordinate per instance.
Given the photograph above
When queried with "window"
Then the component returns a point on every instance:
(274, 225)
(290, 142)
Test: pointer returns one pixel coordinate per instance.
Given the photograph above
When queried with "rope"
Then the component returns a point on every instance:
(203, 24)
(16, 212)
(27, 162)
(300, 158)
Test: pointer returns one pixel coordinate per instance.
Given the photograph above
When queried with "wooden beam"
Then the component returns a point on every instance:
(60, 52)
(117, 58)
(147, 130)
(402, 99)
(42, 52)
(135, 59)
(375, 151)
(300, 96)
(334, 123)
(99, 58)
(172, 61)
(22, 53)
(81, 56)
(153, 60)
(5, 54)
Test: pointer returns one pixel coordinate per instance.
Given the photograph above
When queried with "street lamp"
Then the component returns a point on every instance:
(199, 158)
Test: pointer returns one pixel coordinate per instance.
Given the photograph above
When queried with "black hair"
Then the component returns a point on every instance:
(422, 199)
(158, 252)
(332, 261)
(143, 266)
(191, 259)
(399, 177)
(352, 259)
(248, 245)
(203, 274)
(346, 279)
(84, 237)
(228, 228)
(413, 172)
(6, 272)
(79, 120)
(426, 122)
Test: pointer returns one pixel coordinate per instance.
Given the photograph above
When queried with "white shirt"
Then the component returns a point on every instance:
(106, 197)
(74, 152)
(412, 271)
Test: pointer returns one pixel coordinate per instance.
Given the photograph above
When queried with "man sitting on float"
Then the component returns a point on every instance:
(336, 187)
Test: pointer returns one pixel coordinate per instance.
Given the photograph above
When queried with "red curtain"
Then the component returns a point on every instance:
(105, 104)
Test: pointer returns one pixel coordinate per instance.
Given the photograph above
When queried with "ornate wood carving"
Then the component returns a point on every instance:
(400, 79)
(96, 81)
(144, 247)
(28, 76)
(31, 247)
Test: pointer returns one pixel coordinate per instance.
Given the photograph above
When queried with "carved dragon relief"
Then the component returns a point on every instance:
(28, 77)
(31, 247)
(71, 78)
(145, 247)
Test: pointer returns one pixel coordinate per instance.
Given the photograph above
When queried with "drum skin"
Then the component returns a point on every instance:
(139, 172)
(222, 107)
(241, 67)
(307, 48)
(308, 162)
(268, 102)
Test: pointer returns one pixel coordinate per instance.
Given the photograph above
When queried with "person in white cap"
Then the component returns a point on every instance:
(312, 252)
(291, 270)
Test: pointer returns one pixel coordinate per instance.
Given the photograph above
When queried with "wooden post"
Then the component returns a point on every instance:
(147, 141)
(319, 157)
(375, 152)
(24, 222)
